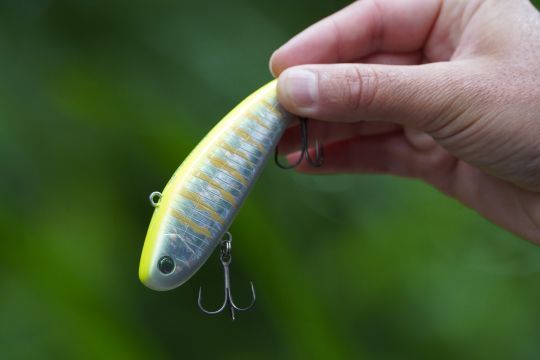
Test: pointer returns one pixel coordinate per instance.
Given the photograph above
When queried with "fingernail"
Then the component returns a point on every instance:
(300, 87)
(270, 64)
(419, 139)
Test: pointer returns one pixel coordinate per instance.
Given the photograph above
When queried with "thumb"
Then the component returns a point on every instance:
(420, 96)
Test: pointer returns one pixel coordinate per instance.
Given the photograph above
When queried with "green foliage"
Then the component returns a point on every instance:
(101, 101)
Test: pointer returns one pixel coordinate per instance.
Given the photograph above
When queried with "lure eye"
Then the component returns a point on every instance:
(166, 265)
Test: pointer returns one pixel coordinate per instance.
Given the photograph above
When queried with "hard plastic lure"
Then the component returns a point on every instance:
(203, 196)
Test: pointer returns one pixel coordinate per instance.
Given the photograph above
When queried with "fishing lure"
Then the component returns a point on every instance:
(197, 206)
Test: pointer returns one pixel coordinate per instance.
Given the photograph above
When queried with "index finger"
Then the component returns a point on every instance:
(362, 28)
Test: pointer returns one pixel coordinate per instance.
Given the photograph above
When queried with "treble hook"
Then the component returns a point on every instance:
(226, 258)
(304, 150)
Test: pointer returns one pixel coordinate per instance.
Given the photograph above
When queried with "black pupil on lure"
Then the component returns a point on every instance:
(166, 265)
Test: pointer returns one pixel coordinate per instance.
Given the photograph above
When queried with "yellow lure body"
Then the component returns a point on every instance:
(201, 199)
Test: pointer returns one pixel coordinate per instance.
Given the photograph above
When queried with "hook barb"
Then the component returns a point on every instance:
(304, 150)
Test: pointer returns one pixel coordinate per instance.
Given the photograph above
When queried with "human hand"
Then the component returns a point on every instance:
(445, 91)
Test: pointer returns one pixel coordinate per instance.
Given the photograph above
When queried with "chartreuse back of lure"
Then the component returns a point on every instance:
(203, 196)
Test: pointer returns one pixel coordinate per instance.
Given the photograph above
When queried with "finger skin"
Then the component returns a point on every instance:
(408, 95)
(393, 154)
(362, 28)
(327, 132)
(389, 153)
(409, 58)
(459, 78)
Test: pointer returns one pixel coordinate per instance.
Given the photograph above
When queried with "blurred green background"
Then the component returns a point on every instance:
(100, 101)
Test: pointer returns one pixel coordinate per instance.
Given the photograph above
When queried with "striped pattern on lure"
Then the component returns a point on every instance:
(203, 196)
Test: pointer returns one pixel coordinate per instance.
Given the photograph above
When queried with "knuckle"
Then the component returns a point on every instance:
(359, 86)
(352, 88)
